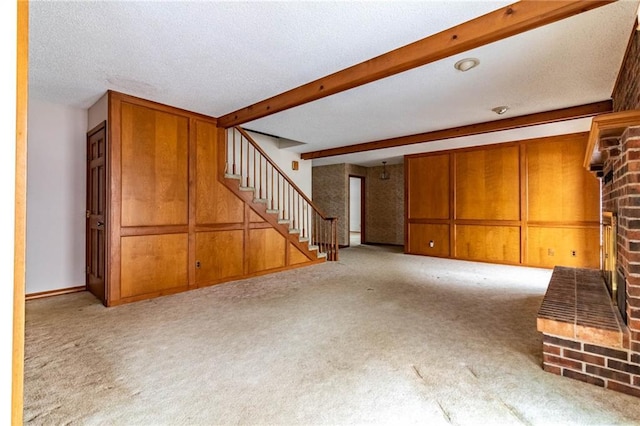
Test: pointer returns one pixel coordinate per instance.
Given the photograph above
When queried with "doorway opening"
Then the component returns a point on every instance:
(356, 210)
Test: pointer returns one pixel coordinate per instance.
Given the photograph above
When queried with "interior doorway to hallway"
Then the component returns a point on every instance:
(356, 210)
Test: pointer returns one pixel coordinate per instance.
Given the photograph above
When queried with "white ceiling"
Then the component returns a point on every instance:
(217, 57)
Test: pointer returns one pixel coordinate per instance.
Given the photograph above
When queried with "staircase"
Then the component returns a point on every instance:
(255, 178)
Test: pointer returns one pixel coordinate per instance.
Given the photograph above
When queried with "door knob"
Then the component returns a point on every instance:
(99, 223)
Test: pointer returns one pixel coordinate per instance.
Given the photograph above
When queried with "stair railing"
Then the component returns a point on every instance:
(246, 160)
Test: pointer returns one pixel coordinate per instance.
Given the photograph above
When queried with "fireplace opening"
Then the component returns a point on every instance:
(613, 277)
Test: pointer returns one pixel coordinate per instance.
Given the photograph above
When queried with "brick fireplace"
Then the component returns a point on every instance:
(590, 331)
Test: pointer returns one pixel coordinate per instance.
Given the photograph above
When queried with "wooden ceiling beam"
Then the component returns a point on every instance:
(547, 117)
(497, 25)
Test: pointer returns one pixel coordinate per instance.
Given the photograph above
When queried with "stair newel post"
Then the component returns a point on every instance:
(321, 234)
(334, 249)
(314, 228)
(325, 236)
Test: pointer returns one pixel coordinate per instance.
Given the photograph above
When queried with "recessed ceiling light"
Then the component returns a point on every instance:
(466, 64)
(500, 109)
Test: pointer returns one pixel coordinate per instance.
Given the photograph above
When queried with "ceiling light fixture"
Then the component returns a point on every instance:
(384, 175)
(466, 64)
(500, 109)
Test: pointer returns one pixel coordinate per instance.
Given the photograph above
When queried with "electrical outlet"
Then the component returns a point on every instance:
(573, 253)
(197, 263)
(551, 252)
(431, 244)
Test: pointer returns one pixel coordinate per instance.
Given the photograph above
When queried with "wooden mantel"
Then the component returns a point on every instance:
(607, 126)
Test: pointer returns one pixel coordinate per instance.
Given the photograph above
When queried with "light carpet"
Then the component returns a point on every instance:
(377, 338)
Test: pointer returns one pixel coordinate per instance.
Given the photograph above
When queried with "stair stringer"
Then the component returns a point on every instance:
(260, 209)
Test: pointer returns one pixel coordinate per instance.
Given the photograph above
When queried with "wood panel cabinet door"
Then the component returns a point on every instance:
(559, 188)
(154, 167)
(214, 202)
(219, 255)
(428, 239)
(152, 264)
(428, 187)
(488, 184)
(488, 243)
(266, 250)
(560, 246)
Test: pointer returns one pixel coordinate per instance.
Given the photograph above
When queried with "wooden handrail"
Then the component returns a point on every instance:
(271, 185)
(283, 174)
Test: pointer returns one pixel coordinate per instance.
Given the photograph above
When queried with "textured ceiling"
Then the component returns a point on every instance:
(216, 57)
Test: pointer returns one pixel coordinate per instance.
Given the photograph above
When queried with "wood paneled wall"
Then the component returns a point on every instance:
(528, 202)
(173, 225)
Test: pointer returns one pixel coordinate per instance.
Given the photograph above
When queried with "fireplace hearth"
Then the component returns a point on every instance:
(590, 320)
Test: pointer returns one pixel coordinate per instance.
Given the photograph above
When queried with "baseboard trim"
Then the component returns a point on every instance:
(40, 295)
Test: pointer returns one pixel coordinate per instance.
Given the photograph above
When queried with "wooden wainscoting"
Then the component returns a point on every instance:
(173, 225)
(528, 202)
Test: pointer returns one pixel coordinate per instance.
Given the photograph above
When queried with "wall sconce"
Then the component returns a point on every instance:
(384, 175)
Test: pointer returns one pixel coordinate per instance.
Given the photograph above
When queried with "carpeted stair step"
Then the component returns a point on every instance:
(230, 176)
(247, 188)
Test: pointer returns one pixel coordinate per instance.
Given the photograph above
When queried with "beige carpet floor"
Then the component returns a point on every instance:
(377, 338)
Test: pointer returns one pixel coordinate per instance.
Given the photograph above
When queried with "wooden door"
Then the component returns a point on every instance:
(96, 211)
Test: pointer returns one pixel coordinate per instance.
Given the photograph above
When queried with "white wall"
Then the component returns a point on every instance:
(98, 112)
(55, 197)
(8, 31)
(355, 204)
(283, 158)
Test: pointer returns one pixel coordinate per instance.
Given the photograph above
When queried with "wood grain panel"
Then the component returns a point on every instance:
(214, 202)
(154, 167)
(153, 263)
(296, 257)
(265, 250)
(421, 234)
(550, 246)
(559, 188)
(488, 243)
(254, 217)
(220, 255)
(488, 184)
(428, 187)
